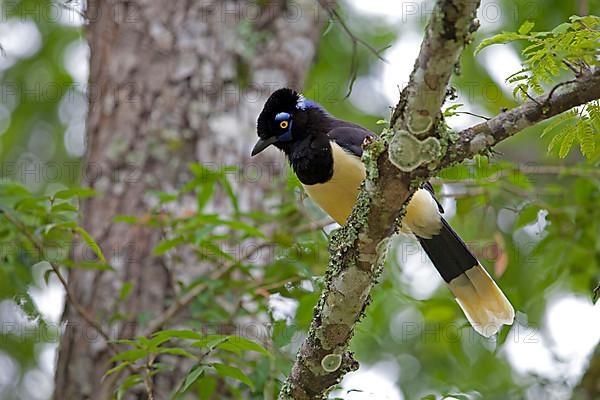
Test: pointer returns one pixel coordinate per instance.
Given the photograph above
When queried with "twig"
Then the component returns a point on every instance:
(262, 286)
(148, 383)
(185, 300)
(569, 65)
(549, 97)
(473, 114)
(69, 7)
(524, 91)
(333, 13)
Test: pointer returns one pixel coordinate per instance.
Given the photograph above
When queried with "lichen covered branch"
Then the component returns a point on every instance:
(449, 29)
(478, 138)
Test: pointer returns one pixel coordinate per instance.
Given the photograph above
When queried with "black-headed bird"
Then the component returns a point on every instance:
(325, 153)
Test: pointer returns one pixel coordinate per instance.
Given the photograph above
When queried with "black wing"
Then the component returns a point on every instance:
(429, 187)
(350, 137)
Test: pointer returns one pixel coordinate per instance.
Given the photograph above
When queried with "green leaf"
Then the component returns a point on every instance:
(585, 136)
(195, 373)
(74, 192)
(167, 244)
(91, 243)
(451, 111)
(29, 203)
(205, 194)
(210, 341)
(233, 372)
(127, 384)
(225, 345)
(175, 351)
(207, 387)
(527, 215)
(567, 142)
(249, 229)
(62, 207)
(13, 189)
(166, 197)
(503, 37)
(130, 355)
(231, 194)
(526, 27)
(125, 290)
(88, 265)
(245, 344)
(180, 334)
(128, 219)
(116, 369)
(562, 28)
(47, 275)
(557, 121)
(67, 225)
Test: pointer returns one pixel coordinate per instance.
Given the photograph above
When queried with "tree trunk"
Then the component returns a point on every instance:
(167, 87)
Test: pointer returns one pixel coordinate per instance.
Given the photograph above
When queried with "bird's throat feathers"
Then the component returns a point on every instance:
(310, 152)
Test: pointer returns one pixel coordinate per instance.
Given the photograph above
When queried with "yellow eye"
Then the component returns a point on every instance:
(283, 124)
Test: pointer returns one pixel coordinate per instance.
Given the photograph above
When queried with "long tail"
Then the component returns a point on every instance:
(482, 301)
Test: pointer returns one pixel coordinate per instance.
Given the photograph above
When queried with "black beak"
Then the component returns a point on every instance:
(263, 144)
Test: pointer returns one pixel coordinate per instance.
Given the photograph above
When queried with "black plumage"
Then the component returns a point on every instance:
(313, 129)
(325, 152)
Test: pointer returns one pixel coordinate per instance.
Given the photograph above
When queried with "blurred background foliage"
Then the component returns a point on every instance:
(531, 217)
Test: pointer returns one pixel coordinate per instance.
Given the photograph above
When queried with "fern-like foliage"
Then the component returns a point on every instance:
(574, 43)
(570, 46)
(581, 125)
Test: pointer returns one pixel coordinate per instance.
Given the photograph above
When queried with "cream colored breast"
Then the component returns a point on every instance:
(339, 194)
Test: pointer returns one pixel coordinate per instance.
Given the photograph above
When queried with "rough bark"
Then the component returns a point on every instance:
(449, 29)
(396, 166)
(167, 91)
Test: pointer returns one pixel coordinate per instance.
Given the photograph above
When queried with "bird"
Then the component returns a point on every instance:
(325, 154)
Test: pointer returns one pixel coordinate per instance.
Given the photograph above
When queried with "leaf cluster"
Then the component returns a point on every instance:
(570, 45)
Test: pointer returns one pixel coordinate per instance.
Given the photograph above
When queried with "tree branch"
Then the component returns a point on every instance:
(335, 16)
(480, 137)
(358, 249)
(449, 29)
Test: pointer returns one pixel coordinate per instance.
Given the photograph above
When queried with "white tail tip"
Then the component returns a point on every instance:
(482, 301)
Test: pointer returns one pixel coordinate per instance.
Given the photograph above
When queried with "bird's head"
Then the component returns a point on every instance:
(283, 120)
